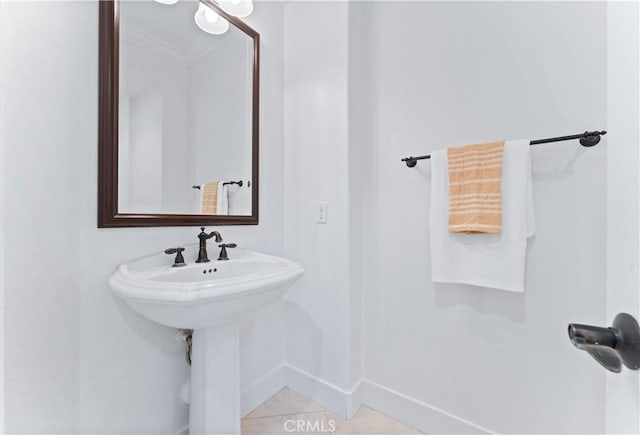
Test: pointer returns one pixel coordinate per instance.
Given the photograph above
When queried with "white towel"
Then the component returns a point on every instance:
(487, 260)
(222, 205)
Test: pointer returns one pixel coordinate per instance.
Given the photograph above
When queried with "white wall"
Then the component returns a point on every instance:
(317, 328)
(79, 361)
(623, 194)
(146, 110)
(393, 79)
(455, 73)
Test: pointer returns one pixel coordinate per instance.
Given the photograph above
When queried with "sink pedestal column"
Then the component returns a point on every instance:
(215, 383)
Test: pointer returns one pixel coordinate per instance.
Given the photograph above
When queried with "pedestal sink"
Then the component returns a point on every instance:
(208, 298)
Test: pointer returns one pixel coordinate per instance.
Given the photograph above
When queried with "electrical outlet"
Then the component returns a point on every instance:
(322, 213)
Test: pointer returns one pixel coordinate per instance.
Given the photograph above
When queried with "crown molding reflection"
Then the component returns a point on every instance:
(153, 44)
(198, 50)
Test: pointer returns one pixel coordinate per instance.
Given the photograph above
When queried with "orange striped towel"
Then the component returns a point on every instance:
(475, 194)
(210, 197)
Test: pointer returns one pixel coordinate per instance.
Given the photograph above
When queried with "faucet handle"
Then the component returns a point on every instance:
(223, 252)
(179, 260)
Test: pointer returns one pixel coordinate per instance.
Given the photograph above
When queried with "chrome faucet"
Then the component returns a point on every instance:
(202, 252)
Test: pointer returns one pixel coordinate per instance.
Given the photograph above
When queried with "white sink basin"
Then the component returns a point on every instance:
(207, 297)
(201, 295)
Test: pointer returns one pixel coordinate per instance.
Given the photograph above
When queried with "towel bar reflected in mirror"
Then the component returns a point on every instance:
(238, 183)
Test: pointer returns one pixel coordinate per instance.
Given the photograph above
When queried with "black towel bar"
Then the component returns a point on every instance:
(227, 183)
(587, 139)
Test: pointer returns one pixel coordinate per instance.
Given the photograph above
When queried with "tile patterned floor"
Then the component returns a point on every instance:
(290, 413)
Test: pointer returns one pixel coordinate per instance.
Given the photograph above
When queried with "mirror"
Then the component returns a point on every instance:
(178, 115)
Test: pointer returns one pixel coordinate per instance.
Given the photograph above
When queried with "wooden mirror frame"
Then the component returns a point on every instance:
(108, 215)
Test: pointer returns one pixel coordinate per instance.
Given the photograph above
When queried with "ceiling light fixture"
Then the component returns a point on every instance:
(238, 8)
(209, 21)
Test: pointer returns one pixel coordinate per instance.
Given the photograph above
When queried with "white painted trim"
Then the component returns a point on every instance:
(261, 389)
(201, 49)
(405, 409)
(422, 416)
(354, 400)
(197, 51)
(341, 402)
(145, 40)
(345, 403)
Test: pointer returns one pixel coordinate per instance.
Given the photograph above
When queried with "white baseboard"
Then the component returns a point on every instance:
(422, 416)
(345, 403)
(261, 389)
(341, 402)
(354, 400)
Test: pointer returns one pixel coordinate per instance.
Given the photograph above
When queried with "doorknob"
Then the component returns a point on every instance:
(613, 346)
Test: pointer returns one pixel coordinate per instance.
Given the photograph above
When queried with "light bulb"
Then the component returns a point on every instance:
(238, 8)
(211, 16)
(167, 2)
(209, 21)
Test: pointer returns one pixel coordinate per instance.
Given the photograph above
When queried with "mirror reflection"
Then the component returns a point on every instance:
(185, 111)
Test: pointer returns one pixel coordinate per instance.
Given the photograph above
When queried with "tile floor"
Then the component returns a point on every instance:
(290, 413)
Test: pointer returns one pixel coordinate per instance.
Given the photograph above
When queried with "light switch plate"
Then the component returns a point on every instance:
(321, 213)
